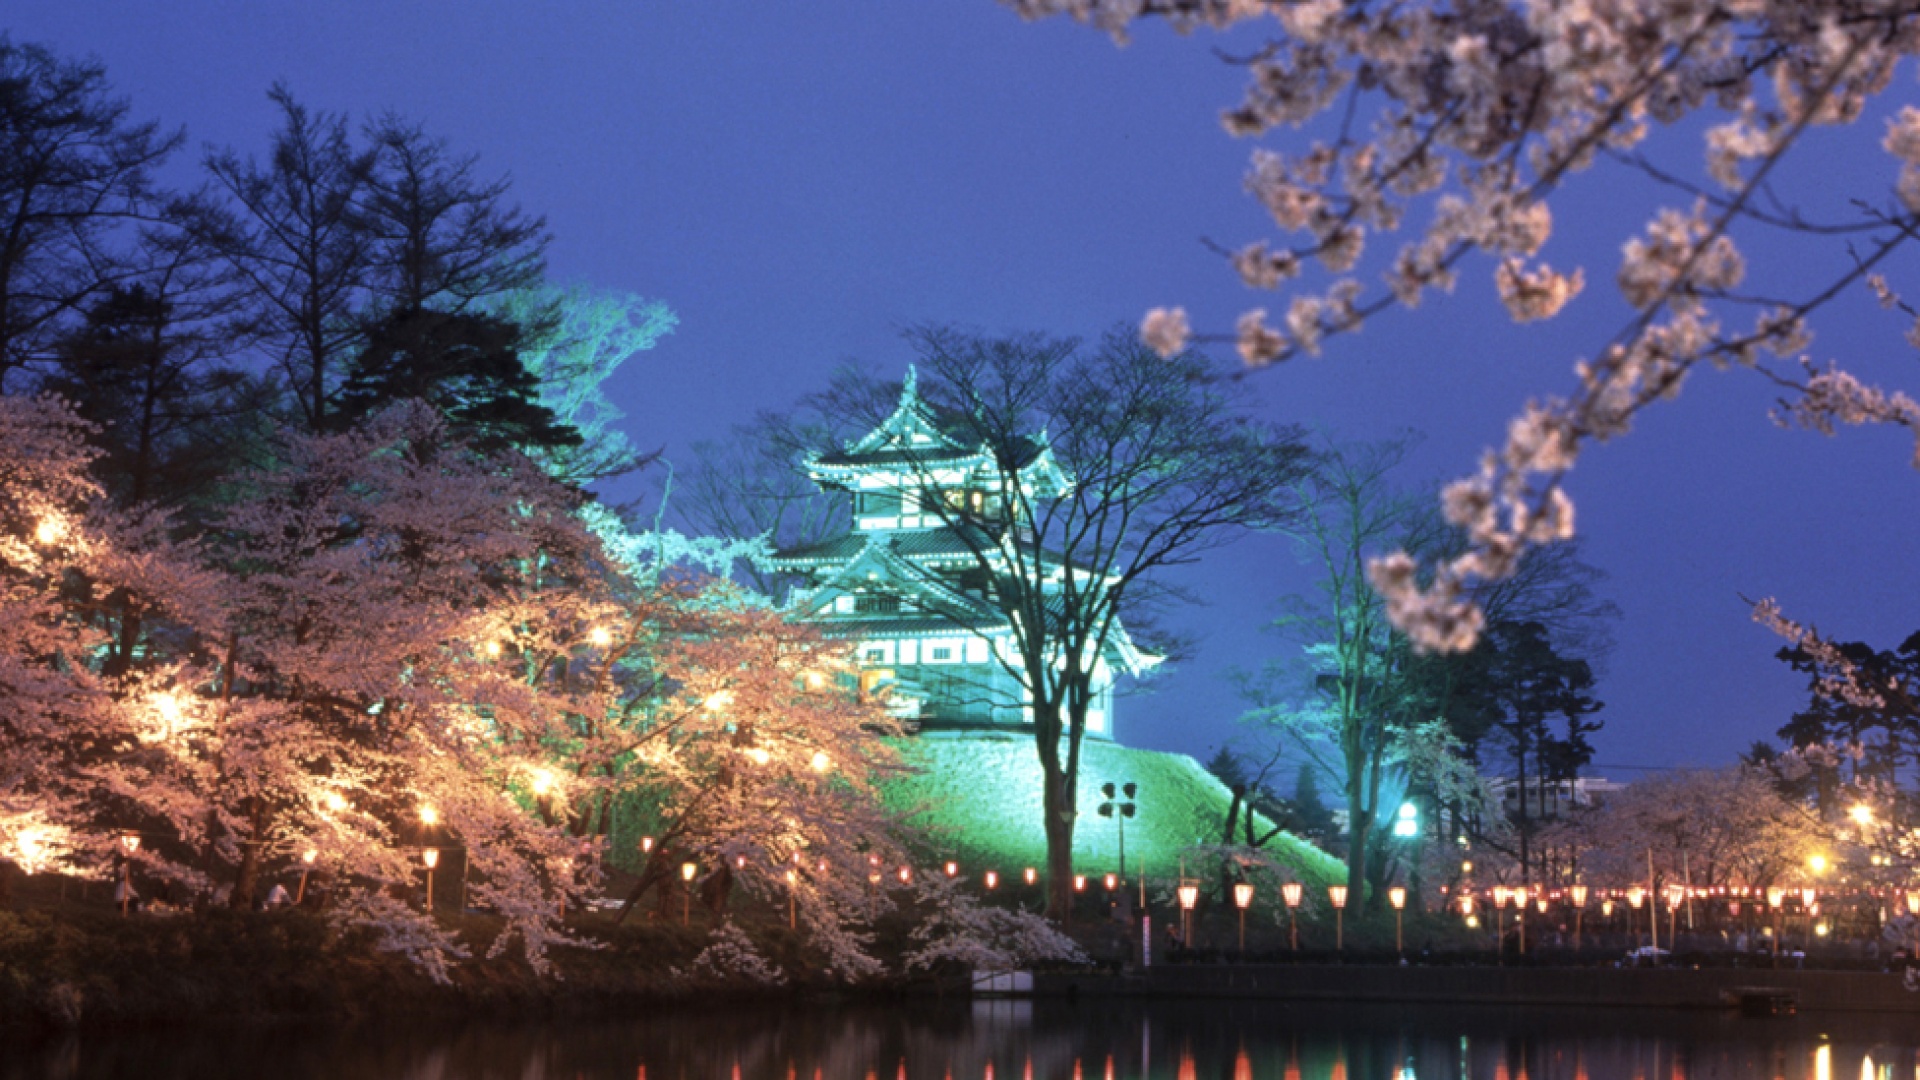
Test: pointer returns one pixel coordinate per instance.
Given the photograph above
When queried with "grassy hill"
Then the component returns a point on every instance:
(981, 796)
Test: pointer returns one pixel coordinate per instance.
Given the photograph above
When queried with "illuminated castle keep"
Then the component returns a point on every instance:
(908, 584)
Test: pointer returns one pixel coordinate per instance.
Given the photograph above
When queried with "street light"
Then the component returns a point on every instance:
(1338, 894)
(793, 919)
(1031, 875)
(1397, 896)
(1406, 821)
(306, 867)
(1578, 894)
(1119, 806)
(993, 879)
(687, 870)
(430, 856)
(1111, 881)
(1189, 895)
(952, 868)
(1242, 897)
(129, 843)
(1290, 892)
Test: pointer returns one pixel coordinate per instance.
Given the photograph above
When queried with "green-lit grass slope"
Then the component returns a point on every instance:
(980, 796)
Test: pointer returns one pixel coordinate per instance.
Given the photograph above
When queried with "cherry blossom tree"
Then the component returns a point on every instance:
(1703, 828)
(75, 573)
(1466, 120)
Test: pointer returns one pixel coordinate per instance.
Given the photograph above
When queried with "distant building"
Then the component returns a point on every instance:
(907, 584)
(1549, 798)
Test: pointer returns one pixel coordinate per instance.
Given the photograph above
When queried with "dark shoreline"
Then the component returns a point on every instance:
(94, 970)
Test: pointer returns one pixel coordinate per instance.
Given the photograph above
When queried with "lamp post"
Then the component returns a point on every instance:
(992, 879)
(431, 857)
(1519, 898)
(793, 918)
(1290, 892)
(1030, 875)
(687, 870)
(1500, 923)
(1338, 895)
(306, 867)
(1635, 897)
(1242, 897)
(1189, 895)
(1119, 806)
(1578, 894)
(1397, 896)
(129, 843)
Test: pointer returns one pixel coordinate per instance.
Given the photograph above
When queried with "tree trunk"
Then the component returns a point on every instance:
(246, 880)
(1057, 810)
(1525, 823)
(1359, 839)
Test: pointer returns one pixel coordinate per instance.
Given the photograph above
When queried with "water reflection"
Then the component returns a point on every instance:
(1024, 1041)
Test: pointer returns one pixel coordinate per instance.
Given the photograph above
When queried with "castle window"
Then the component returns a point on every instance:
(877, 502)
(941, 653)
(875, 656)
(877, 605)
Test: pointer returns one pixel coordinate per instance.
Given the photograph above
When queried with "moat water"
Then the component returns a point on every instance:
(1016, 1041)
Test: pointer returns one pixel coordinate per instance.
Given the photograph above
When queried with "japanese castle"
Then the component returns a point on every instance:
(909, 583)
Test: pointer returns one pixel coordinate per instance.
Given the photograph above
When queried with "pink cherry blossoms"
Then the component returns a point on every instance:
(1464, 120)
(392, 653)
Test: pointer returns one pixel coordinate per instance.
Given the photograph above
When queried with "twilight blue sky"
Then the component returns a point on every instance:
(799, 181)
